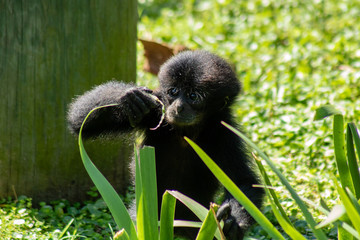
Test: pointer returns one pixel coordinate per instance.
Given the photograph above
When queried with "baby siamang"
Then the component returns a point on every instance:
(197, 89)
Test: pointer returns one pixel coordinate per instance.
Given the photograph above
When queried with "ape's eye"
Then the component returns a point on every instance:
(194, 96)
(173, 92)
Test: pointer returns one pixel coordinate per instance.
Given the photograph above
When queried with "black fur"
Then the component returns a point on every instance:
(197, 89)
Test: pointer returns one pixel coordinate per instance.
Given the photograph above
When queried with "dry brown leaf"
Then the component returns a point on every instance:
(156, 54)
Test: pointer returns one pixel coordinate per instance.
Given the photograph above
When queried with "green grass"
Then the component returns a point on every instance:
(90, 219)
(292, 57)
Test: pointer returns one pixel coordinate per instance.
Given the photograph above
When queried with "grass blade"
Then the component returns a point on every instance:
(352, 137)
(138, 182)
(351, 211)
(340, 224)
(199, 210)
(279, 212)
(140, 217)
(356, 137)
(236, 192)
(309, 218)
(167, 216)
(209, 225)
(146, 194)
(108, 193)
(272, 193)
(149, 188)
(287, 227)
(184, 223)
(325, 111)
(340, 156)
(121, 235)
(66, 228)
(339, 143)
(139, 196)
(336, 213)
(354, 200)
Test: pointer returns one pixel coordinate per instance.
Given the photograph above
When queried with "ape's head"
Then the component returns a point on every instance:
(196, 85)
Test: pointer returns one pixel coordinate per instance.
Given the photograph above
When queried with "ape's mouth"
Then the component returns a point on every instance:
(182, 120)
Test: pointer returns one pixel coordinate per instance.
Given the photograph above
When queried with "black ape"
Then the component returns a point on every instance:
(197, 89)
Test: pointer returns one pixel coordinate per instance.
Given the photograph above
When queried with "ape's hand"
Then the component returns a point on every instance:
(234, 217)
(137, 103)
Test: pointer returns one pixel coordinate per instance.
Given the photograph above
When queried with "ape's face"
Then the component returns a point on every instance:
(184, 107)
(195, 85)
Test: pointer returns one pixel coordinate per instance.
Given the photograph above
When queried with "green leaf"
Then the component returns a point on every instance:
(343, 226)
(236, 192)
(139, 196)
(271, 192)
(149, 192)
(325, 111)
(121, 235)
(356, 137)
(141, 217)
(350, 208)
(66, 228)
(199, 210)
(340, 156)
(353, 199)
(336, 213)
(108, 193)
(351, 158)
(309, 218)
(138, 181)
(167, 216)
(287, 227)
(279, 212)
(209, 225)
(184, 223)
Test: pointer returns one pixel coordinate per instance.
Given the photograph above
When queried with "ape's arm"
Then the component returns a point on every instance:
(135, 107)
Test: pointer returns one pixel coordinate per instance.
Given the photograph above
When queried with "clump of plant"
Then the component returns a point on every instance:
(345, 216)
(146, 225)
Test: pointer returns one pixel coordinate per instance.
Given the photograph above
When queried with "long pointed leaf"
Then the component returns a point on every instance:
(108, 193)
(272, 193)
(121, 235)
(138, 182)
(287, 227)
(167, 216)
(340, 156)
(236, 192)
(356, 137)
(66, 228)
(149, 189)
(199, 210)
(279, 212)
(184, 223)
(139, 197)
(353, 200)
(309, 218)
(209, 225)
(352, 137)
(340, 224)
(350, 208)
(325, 111)
(336, 213)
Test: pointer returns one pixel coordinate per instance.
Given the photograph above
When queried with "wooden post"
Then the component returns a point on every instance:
(51, 51)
